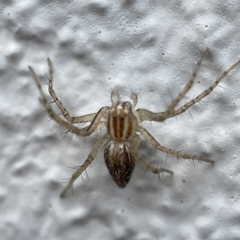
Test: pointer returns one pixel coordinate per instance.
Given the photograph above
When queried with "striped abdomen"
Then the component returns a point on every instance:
(119, 161)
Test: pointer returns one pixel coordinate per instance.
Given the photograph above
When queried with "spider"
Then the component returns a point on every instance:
(123, 128)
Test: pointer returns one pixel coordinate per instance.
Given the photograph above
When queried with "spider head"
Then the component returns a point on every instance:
(121, 121)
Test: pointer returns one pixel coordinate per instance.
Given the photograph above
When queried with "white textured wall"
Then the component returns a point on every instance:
(150, 47)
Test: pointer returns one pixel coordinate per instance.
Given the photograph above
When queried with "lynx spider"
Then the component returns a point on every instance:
(122, 124)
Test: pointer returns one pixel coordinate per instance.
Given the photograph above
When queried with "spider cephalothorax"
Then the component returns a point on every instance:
(123, 128)
(121, 121)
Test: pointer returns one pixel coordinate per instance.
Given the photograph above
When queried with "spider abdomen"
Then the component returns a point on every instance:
(119, 161)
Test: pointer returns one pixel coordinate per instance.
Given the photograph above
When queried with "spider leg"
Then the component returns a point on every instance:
(188, 85)
(204, 93)
(99, 126)
(136, 156)
(103, 140)
(79, 119)
(158, 146)
(145, 115)
(78, 131)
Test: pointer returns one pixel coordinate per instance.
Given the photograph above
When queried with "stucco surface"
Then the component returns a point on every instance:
(150, 47)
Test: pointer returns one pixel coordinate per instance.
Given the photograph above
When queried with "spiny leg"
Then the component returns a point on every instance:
(81, 132)
(189, 84)
(79, 119)
(136, 156)
(145, 115)
(148, 165)
(204, 93)
(103, 140)
(158, 146)
(100, 125)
